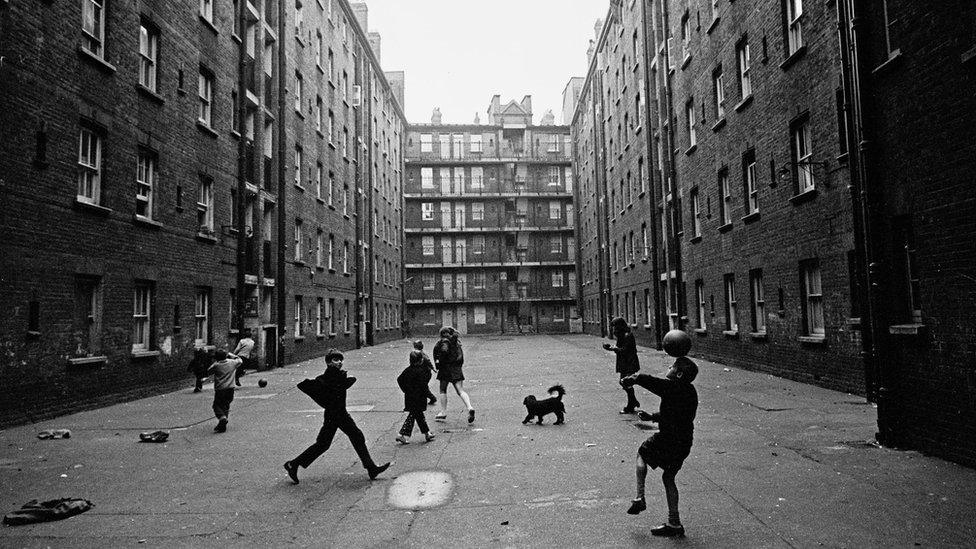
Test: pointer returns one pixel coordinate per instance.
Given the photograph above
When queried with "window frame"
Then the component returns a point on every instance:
(149, 37)
(147, 170)
(89, 173)
(811, 287)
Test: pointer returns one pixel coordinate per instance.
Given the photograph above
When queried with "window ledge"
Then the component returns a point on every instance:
(746, 101)
(725, 228)
(205, 128)
(685, 61)
(149, 222)
(812, 340)
(907, 329)
(347, 274)
(298, 262)
(718, 125)
(793, 58)
(734, 334)
(332, 270)
(691, 149)
(713, 25)
(893, 60)
(319, 336)
(758, 336)
(803, 197)
(209, 24)
(87, 360)
(701, 331)
(299, 339)
(206, 237)
(751, 217)
(97, 60)
(331, 335)
(145, 354)
(320, 200)
(331, 206)
(92, 207)
(150, 94)
(299, 187)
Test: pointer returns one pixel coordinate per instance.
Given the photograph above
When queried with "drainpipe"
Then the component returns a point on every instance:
(280, 285)
(649, 155)
(240, 207)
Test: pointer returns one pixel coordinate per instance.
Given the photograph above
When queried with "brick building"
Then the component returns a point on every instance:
(913, 193)
(144, 192)
(489, 228)
(714, 185)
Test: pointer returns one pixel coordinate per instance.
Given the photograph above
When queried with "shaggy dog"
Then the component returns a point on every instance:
(551, 405)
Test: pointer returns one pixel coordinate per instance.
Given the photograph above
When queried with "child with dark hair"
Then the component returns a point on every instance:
(198, 365)
(419, 345)
(223, 371)
(669, 447)
(413, 382)
(627, 362)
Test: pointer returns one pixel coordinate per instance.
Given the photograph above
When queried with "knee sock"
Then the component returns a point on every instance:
(466, 399)
(443, 402)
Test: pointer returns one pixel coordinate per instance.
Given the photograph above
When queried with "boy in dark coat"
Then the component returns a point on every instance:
(413, 382)
(201, 361)
(419, 345)
(329, 391)
(627, 362)
(669, 447)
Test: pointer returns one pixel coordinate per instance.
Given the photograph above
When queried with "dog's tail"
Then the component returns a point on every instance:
(558, 389)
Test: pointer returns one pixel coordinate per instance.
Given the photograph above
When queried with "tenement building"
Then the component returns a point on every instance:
(171, 175)
(489, 224)
(714, 184)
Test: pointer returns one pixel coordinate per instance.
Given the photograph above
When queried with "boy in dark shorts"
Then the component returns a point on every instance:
(669, 447)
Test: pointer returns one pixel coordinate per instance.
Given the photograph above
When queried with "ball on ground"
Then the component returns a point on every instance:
(262, 383)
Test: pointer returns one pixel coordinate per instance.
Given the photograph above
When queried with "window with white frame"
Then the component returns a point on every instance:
(299, 92)
(299, 320)
(477, 211)
(319, 115)
(477, 177)
(719, 93)
(749, 182)
(320, 317)
(201, 318)
(553, 143)
(553, 176)
(478, 244)
(345, 142)
(745, 68)
(813, 314)
(557, 279)
(145, 183)
(89, 166)
(715, 13)
(319, 247)
(479, 280)
(476, 143)
(731, 315)
(700, 305)
(298, 165)
(555, 244)
(205, 92)
(318, 48)
(345, 257)
(758, 301)
(330, 128)
(457, 141)
(690, 120)
(345, 199)
(299, 239)
(445, 145)
(695, 213)
(330, 199)
(205, 205)
(725, 197)
(794, 39)
(426, 143)
(331, 252)
(142, 311)
(318, 181)
(555, 209)
(345, 315)
(427, 211)
(480, 314)
(430, 281)
(93, 26)
(426, 178)
(148, 52)
(802, 152)
(331, 314)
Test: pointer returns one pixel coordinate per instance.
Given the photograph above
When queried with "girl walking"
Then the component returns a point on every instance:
(448, 359)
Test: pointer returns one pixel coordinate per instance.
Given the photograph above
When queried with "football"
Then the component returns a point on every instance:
(262, 383)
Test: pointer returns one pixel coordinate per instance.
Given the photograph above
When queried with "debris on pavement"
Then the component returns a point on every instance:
(54, 434)
(43, 511)
(154, 436)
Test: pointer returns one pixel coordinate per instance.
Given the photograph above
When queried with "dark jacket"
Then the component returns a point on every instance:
(413, 382)
(679, 403)
(626, 350)
(329, 390)
(448, 352)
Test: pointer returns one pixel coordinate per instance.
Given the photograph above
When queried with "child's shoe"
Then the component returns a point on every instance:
(292, 469)
(636, 506)
(429, 436)
(376, 470)
(440, 417)
(668, 530)
(221, 425)
(470, 416)
(402, 439)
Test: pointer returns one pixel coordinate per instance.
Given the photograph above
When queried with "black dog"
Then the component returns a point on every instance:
(551, 405)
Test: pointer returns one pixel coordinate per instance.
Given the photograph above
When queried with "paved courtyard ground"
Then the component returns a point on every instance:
(775, 464)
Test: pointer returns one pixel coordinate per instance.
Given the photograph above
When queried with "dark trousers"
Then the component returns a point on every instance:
(323, 441)
(242, 369)
(631, 397)
(408, 424)
(222, 400)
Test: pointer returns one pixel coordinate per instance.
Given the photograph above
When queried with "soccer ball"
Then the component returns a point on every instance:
(262, 383)
(676, 343)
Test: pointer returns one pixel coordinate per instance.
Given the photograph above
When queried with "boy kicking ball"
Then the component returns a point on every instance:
(669, 447)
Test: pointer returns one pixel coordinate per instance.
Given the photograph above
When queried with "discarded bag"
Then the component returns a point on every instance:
(154, 436)
(43, 511)
(54, 433)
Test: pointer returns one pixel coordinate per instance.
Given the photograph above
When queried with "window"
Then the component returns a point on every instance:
(318, 114)
(330, 129)
(842, 134)
(89, 166)
(719, 93)
(794, 37)
(331, 252)
(695, 213)
(553, 143)
(479, 281)
(201, 318)
(801, 148)
(205, 92)
(480, 314)
(758, 301)
(731, 320)
(427, 211)
(430, 280)
(298, 239)
(555, 209)
(714, 10)
(299, 99)
(93, 26)
(345, 142)
(299, 324)
(318, 181)
(145, 183)
(553, 176)
(906, 269)
(318, 48)
(477, 211)
(298, 165)
(426, 178)
(555, 244)
(142, 311)
(749, 182)
(319, 248)
(690, 119)
(330, 314)
(205, 206)
(445, 146)
(700, 310)
(477, 177)
(475, 143)
(345, 199)
(813, 316)
(88, 316)
(725, 197)
(148, 49)
(345, 316)
(345, 257)
(745, 62)
(427, 143)
(319, 317)
(557, 279)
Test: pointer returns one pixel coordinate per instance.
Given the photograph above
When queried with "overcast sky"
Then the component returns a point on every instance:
(457, 54)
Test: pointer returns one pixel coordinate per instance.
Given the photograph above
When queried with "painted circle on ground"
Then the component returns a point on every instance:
(420, 490)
